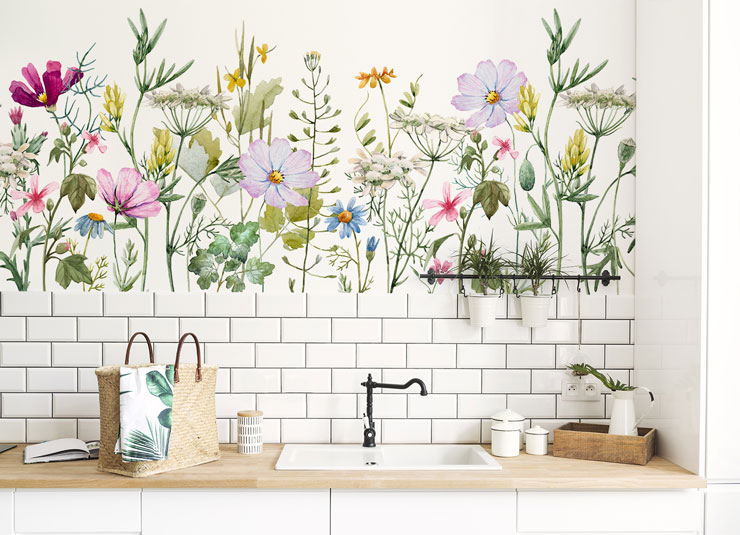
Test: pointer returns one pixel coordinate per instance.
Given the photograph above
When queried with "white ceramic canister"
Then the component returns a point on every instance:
(505, 439)
(250, 431)
(537, 440)
(512, 417)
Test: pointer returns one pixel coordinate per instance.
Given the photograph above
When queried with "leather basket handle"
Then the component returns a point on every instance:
(198, 375)
(148, 343)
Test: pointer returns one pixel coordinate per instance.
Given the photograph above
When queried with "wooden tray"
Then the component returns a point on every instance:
(594, 443)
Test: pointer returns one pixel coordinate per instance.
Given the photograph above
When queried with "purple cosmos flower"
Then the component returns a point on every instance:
(46, 93)
(493, 91)
(275, 170)
(129, 195)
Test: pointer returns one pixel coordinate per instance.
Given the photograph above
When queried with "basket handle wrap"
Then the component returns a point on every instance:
(148, 343)
(198, 375)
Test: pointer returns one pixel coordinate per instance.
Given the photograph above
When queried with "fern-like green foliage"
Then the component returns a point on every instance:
(538, 261)
(582, 369)
(485, 261)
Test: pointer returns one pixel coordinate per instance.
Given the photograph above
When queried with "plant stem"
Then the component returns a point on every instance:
(169, 251)
(310, 190)
(387, 118)
(359, 271)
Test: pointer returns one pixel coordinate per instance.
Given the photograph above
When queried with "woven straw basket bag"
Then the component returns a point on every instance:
(194, 435)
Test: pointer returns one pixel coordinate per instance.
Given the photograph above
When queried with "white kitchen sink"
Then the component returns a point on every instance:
(385, 457)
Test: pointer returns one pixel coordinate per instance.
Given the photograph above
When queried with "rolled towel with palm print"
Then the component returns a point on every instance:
(146, 413)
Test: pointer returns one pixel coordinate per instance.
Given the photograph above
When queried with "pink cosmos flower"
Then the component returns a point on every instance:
(505, 148)
(492, 91)
(16, 115)
(129, 195)
(44, 93)
(441, 268)
(35, 196)
(275, 170)
(94, 140)
(447, 206)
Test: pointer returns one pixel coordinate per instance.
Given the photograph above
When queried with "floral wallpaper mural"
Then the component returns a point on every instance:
(150, 176)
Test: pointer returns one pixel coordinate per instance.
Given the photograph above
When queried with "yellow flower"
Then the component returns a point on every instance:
(234, 80)
(374, 76)
(575, 159)
(528, 101)
(162, 154)
(262, 51)
(113, 101)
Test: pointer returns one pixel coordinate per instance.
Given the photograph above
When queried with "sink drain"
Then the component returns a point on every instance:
(370, 463)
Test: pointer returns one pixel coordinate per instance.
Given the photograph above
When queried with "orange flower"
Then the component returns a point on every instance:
(373, 77)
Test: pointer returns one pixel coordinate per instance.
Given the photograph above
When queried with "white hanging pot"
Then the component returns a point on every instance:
(535, 309)
(482, 309)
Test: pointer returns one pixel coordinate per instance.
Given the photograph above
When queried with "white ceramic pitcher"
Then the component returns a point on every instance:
(624, 421)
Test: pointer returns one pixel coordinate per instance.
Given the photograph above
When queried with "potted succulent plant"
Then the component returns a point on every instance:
(537, 262)
(485, 262)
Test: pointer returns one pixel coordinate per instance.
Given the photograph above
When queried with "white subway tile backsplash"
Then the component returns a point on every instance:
(302, 431)
(530, 356)
(592, 306)
(12, 379)
(101, 329)
(12, 430)
(13, 329)
(306, 380)
(557, 332)
(532, 405)
(402, 375)
(382, 305)
(255, 330)
(384, 405)
(88, 429)
(591, 354)
(620, 307)
(622, 356)
(224, 430)
(77, 354)
(331, 355)
(25, 303)
(52, 329)
(158, 329)
(456, 431)
(349, 431)
(407, 431)
(281, 355)
(228, 405)
(230, 305)
(381, 355)
(270, 431)
(481, 356)
(282, 405)
(50, 429)
(407, 330)
(206, 329)
(580, 409)
(25, 354)
(455, 331)
(432, 406)
(548, 381)
(356, 330)
(255, 380)
(479, 405)
(347, 380)
(87, 381)
(233, 355)
(431, 355)
(338, 305)
(26, 405)
(306, 329)
(78, 304)
(606, 332)
(456, 381)
(176, 305)
(281, 306)
(52, 380)
(551, 425)
(503, 381)
(76, 406)
(432, 305)
(507, 332)
(129, 304)
(332, 406)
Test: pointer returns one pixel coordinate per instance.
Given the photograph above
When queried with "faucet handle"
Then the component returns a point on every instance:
(365, 422)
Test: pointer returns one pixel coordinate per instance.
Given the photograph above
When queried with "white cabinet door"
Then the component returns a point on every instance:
(77, 511)
(405, 512)
(722, 509)
(632, 512)
(6, 512)
(247, 512)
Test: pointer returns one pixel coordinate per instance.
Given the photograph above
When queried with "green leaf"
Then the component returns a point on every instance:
(530, 225)
(302, 213)
(526, 175)
(293, 241)
(204, 265)
(75, 187)
(220, 246)
(582, 198)
(72, 268)
(256, 271)
(157, 385)
(273, 219)
(194, 160)
(211, 145)
(165, 418)
(433, 248)
(235, 283)
(544, 219)
(249, 117)
(489, 194)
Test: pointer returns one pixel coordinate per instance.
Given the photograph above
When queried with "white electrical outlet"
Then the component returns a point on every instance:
(579, 389)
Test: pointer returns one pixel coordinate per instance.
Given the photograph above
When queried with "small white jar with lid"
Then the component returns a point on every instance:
(249, 431)
(505, 439)
(512, 417)
(537, 440)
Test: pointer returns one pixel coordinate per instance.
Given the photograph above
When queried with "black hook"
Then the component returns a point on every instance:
(516, 293)
(554, 291)
(578, 288)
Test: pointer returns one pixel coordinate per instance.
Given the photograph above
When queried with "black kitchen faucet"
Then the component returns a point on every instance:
(369, 433)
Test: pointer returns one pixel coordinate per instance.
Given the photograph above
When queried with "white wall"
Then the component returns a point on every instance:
(671, 212)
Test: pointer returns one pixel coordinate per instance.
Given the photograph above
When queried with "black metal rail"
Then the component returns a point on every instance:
(431, 277)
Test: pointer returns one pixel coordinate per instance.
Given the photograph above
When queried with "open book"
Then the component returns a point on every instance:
(63, 449)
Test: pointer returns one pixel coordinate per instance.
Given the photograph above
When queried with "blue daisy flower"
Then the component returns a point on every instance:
(92, 224)
(350, 218)
(372, 244)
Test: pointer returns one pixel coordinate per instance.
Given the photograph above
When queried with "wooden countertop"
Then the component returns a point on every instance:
(246, 471)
